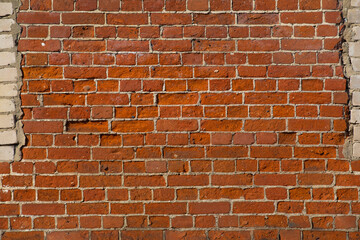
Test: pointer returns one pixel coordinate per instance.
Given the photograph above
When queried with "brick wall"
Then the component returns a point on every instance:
(10, 83)
(197, 119)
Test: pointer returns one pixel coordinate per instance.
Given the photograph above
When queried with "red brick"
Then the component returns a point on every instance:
(141, 234)
(259, 18)
(230, 83)
(189, 152)
(83, 18)
(81, 235)
(253, 207)
(165, 208)
(170, 18)
(176, 125)
(197, 180)
(43, 209)
(34, 235)
(38, 18)
(275, 179)
(327, 208)
(301, 17)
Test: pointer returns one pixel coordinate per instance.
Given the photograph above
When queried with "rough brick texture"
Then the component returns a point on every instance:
(352, 68)
(175, 119)
(9, 84)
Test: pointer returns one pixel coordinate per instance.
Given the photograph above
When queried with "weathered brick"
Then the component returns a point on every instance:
(177, 107)
(8, 74)
(6, 24)
(6, 8)
(7, 58)
(6, 121)
(8, 90)
(8, 137)
(7, 153)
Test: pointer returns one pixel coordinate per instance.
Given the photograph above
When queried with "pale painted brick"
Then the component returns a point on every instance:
(6, 41)
(356, 33)
(355, 116)
(8, 137)
(8, 90)
(355, 82)
(357, 133)
(354, 15)
(356, 98)
(6, 153)
(6, 9)
(356, 149)
(355, 3)
(354, 49)
(355, 64)
(8, 87)
(8, 74)
(5, 25)
(6, 105)
(6, 121)
(7, 58)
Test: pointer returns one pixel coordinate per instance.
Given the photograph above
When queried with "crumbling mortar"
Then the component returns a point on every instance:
(19, 113)
(14, 30)
(347, 36)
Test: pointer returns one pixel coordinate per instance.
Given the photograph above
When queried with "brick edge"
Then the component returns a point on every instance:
(11, 133)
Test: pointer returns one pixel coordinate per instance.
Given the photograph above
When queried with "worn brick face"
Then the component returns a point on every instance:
(194, 119)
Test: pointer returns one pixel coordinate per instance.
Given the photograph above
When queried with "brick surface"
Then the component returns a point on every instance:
(6, 8)
(8, 137)
(353, 15)
(8, 74)
(6, 24)
(7, 58)
(6, 153)
(7, 41)
(183, 119)
(6, 121)
(9, 88)
(353, 52)
(6, 105)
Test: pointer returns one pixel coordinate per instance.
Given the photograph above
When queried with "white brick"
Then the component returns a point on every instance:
(357, 133)
(355, 3)
(6, 41)
(356, 32)
(8, 75)
(355, 63)
(8, 137)
(8, 90)
(356, 98)
(355, 82)
(355, 116)
(7, 58)
(5, 25)
(6, 105)
(6, 121)
(6, 9)
(354, 15)
(354, 49)
(6, 153)
(356, 149)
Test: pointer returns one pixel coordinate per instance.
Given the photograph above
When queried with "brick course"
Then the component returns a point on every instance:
(197, 119)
